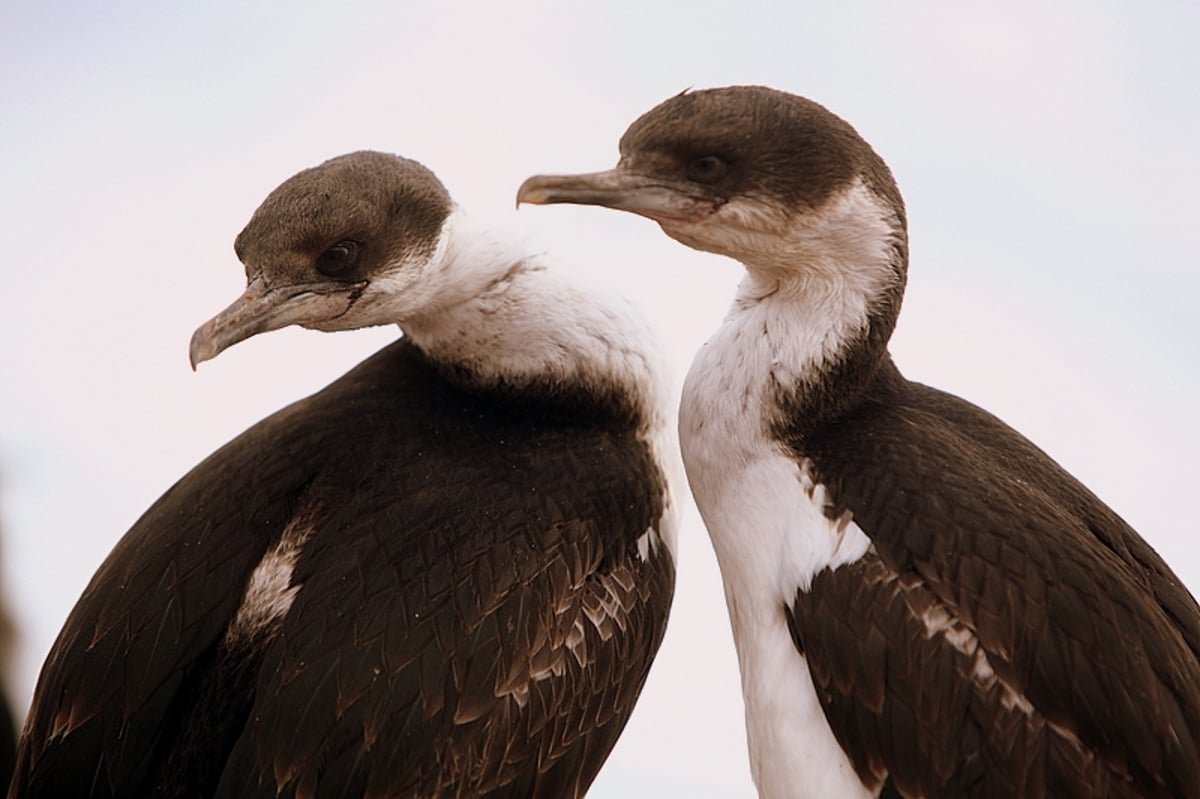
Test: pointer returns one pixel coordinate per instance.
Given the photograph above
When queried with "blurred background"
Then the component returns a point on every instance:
(1047, 152)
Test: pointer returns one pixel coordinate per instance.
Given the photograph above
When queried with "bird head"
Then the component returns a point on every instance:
(346, 244)
(760, 175)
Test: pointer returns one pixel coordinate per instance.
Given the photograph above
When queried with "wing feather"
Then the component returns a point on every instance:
(438, 637)
(1007, 634)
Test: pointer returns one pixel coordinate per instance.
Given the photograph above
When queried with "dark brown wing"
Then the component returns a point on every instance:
(470, 608)
(109, 691)
(1008, 634)
(492, 652)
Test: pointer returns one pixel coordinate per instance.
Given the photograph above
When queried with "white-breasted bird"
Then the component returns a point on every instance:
(924, 603)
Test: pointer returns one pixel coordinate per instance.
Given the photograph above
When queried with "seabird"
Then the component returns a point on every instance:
(924, 603)
(444, 575)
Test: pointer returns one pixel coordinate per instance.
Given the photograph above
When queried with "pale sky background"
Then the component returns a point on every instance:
(1048, 153)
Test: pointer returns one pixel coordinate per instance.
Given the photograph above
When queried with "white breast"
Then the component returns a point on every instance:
(770, 539)
(765, 517)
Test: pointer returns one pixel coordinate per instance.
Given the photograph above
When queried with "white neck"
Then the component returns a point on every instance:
(501, 314)
(800, 304)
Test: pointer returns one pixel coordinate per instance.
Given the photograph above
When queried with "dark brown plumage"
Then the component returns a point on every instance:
(427, 579)
(1071, 607)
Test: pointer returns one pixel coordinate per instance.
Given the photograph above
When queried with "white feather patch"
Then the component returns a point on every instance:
(269, 592)
(938, 621)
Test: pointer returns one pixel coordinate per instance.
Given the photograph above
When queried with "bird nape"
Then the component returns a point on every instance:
(445, 574)
(924, 603)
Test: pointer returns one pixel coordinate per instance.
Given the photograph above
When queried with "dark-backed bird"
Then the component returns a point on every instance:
(444, 575)
(924, 603)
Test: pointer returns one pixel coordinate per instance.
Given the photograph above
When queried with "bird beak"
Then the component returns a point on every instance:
(617, 188)
(262, 308)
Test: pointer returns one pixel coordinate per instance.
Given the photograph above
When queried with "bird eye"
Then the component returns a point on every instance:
(340, 259)
(706, 169)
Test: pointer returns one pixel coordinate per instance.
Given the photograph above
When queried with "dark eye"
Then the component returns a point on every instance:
(340, 259)
(706, 169)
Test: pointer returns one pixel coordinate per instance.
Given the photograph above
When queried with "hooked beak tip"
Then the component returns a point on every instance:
(532, 192)
(200, 348)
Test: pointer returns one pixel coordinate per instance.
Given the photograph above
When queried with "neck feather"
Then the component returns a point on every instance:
(513, 322)
(808, 328)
